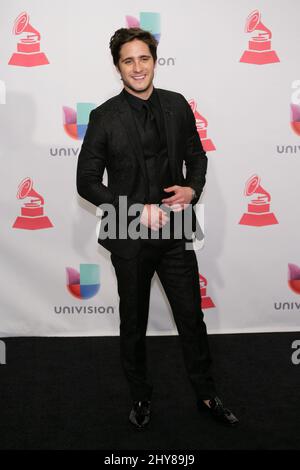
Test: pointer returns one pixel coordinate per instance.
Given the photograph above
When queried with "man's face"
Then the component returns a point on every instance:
(136, 67)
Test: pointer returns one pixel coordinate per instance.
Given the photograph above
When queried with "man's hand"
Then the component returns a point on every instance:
(182, 197)
(153, 217)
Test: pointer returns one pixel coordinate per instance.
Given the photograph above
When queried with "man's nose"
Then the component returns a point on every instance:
(137, 66)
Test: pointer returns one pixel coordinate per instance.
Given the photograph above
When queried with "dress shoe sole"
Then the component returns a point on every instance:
(139, 427)
(205, 409)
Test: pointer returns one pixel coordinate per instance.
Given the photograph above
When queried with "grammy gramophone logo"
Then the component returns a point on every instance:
(32, 212)
(258, 213)
(259, 50)
(206, 301)
(201, 124)
(28, 47)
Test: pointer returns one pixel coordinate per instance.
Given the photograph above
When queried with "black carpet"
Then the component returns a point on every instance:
(70, 393)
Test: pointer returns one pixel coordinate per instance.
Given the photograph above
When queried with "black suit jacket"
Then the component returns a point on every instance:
(112, 142)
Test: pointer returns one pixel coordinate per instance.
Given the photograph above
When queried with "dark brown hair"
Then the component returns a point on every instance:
(124, 35)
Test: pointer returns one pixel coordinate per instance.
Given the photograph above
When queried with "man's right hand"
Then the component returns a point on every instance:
(153, 217)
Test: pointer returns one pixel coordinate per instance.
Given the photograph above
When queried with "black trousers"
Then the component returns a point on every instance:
(178, 272)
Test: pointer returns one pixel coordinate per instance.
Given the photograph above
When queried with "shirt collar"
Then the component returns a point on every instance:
(137, 103)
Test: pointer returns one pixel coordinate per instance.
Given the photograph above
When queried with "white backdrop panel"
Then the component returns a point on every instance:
(247, 107)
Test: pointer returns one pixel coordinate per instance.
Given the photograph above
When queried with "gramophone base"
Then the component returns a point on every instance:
(259, 58)
(258, 220)
(28, 60)
(206, 302)
(32, 223)
(208, 145)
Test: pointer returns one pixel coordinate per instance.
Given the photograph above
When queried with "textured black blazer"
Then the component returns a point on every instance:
(112, 142)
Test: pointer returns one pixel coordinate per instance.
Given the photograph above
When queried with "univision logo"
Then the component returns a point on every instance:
(76, 121)
(85, 283)
(292, 148)
(150, 21)
(294, 278)
(147, 21)
(295, 107)
(294, 285)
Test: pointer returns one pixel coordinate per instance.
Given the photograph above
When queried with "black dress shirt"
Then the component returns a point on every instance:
(150, 126)
(154, 144)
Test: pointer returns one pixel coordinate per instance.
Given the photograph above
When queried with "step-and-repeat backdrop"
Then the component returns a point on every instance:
(237, 63)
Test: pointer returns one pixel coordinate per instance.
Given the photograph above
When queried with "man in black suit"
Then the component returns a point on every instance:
(143, 137)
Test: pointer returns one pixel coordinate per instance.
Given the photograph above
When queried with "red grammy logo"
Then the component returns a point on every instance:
(32, 212)
(259, 47)
(206, 301)
(258, 213)
(201, 124)
(28, 48)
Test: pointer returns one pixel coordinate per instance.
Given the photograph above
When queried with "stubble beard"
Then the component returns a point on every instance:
(137, 90)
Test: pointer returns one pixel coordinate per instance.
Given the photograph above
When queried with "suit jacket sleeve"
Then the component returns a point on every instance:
(92, 161)
(195, 157)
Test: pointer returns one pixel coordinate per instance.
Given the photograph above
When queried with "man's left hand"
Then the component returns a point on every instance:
(180, 200)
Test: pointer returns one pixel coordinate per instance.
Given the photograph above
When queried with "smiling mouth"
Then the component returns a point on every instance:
(139, 77)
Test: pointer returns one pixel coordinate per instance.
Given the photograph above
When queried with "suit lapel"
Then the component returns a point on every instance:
(127, 119)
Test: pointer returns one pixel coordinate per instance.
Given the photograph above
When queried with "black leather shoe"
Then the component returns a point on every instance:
(140, 414)
(218, 412)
